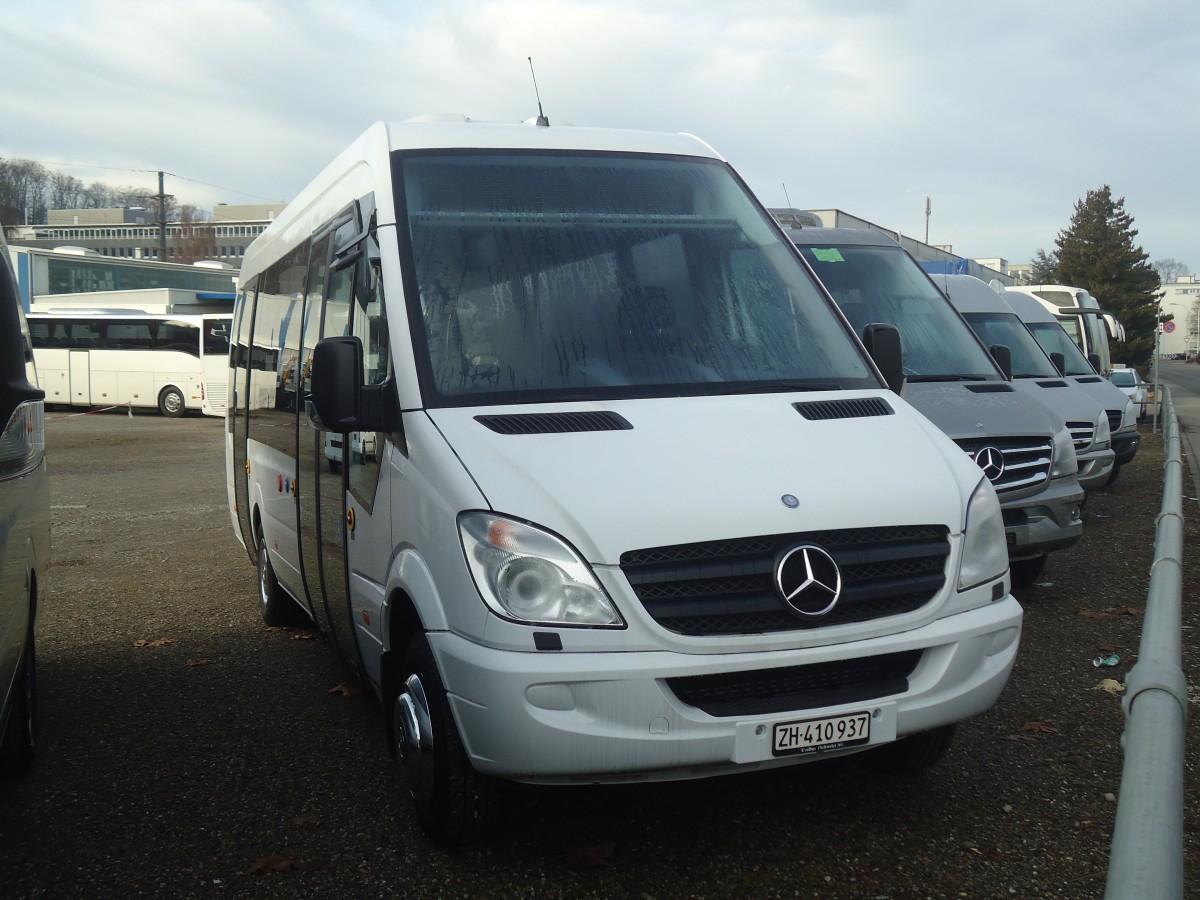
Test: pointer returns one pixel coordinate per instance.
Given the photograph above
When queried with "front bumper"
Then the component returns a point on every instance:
(572, 718)
(1095, 468)
(1050, 520)
(1125, 445)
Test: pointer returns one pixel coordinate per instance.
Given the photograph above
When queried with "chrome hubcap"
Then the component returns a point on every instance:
(414, 738)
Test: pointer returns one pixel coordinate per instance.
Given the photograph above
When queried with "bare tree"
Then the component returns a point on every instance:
(1169, 269)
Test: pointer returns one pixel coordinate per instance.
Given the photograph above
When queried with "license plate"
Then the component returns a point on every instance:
(815, 735)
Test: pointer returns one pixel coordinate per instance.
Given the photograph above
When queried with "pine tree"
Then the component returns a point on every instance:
(1096, 252)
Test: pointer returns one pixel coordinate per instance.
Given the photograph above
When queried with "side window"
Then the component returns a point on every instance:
(368, 321)
(274, 352)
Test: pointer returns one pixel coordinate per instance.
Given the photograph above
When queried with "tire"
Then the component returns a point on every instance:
(1025, 572)
(455, 804)
(171, 403)
(335, 466)
(1112, 476)
(18, 744)
(911, 755)
(278, 609)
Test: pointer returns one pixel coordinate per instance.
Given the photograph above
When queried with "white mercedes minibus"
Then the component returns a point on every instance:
(641, 506)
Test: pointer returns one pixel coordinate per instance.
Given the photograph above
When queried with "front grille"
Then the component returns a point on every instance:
(1026, 461)
(1082, 434)
(728, 587)
(792, 688)
(1114, 419)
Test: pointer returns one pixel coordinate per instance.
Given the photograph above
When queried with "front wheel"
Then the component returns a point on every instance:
(1025, 572)
(171, 403)
(911, 755)
(18, 743)
(455, 804)
(278, 609)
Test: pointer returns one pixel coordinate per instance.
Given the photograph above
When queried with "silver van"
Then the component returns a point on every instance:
(24, 526)
(954, 382)
(1122, 411)
(1034, 373)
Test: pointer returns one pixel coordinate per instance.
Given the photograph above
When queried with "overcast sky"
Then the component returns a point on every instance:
(1005, 113)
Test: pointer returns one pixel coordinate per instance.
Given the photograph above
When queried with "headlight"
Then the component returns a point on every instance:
(1103, 432)
(1065, 461)
(529, 575)
(985, 551)
(1130, 416)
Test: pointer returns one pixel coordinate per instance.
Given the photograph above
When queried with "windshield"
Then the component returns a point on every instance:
(567, 276)
(1054, 340)
(1123, 378)
(1028, 359)
(884, 284)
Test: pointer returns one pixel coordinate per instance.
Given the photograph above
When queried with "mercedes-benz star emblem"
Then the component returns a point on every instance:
(991, 460)
(808, 580)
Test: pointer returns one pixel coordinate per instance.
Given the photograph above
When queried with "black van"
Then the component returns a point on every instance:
(24, 525)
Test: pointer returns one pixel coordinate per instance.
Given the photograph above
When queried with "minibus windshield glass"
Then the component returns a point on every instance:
(1054, 340)
(883, 284)
(1028, 358)
(553, 276)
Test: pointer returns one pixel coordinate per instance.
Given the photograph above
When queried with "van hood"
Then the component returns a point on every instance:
(1067, 401)
(973, 409)
(687, 469)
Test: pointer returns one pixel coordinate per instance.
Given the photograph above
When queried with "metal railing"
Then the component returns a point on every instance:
(1146, 861)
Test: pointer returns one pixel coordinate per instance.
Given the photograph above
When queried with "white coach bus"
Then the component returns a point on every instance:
(640, 506)
(170, 362)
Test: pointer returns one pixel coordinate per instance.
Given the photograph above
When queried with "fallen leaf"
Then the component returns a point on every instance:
(1125, 611)
(347, 690)
(1040, 727)
(303, 636)
(275, 629)
(591, 855)
(277, 863)
(1106, 648)
(1093, 614)
(305, 818)
(1029, 738)
(161, 642)
(1110, 685)
(192, 663)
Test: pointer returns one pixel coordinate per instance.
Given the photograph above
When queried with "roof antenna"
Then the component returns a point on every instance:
(541, 119)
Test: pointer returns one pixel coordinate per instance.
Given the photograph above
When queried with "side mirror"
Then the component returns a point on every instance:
(1094, 359)
(1060, 362)
(883, 344)
(1003, 357)
(337, 368)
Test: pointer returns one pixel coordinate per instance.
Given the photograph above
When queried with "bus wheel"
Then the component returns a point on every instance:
(1025, 571)
(455, 804)
(910, 755)
(277, 608)
(17, 744)
(170, 403)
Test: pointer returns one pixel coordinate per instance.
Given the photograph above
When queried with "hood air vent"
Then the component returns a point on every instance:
(993, 388)
(1089, 379)
(554, 423)
(820, 410)
(1052, 384)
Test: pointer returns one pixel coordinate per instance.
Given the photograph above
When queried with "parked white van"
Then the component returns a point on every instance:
(994, 321)
(24, 527)
(1123, 412)
(1026, 452)
(642, 506)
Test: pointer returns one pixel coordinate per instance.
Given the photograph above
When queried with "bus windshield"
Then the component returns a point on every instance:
(884, 284)
(566, 276)
(1054, 340)
(1028, 358)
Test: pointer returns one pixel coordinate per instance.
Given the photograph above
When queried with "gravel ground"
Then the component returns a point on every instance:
(189, 751)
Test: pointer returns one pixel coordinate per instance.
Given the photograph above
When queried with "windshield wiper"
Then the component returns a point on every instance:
(912, 379)
(778, 387)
